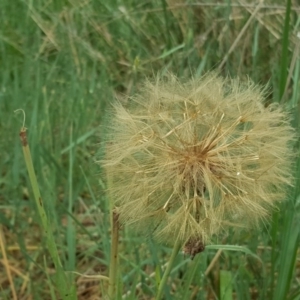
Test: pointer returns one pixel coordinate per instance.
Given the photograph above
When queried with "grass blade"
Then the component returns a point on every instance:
(285, 50)
(225, 285)
(66, 291)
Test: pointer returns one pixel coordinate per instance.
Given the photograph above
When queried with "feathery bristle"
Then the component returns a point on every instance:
(188, 160)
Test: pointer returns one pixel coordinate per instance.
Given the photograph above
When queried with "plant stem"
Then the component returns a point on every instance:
(113, 267)
(168, 270)
(67, 291)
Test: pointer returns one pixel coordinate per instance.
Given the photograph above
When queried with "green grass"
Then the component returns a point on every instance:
(64, 62)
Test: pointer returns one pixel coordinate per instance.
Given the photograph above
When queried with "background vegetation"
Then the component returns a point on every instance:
(64, 62)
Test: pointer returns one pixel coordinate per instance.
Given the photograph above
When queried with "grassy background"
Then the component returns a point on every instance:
(63, 62)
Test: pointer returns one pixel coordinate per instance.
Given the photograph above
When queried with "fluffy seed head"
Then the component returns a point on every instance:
(189, 160)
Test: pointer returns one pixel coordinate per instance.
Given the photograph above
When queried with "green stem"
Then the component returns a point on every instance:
(66, 290)
(113, 267)
(168, 270)
(285, 51)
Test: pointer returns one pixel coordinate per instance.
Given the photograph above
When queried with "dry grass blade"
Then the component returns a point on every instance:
(5, 263)
(234, 44)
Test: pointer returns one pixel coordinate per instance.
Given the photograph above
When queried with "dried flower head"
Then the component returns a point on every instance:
(189, 160)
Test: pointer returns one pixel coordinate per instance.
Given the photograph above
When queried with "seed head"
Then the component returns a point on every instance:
(189, 160)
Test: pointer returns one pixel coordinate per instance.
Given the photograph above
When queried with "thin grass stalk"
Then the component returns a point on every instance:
(288, 254)
(71, 229)
(225, 285)
(282, 86)
(5, 263)
(289, 246)
(168, 270)
(234, 44)
(274, 254)
(66, 292)
(167, 24)
(113, 266)
(285, 51)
